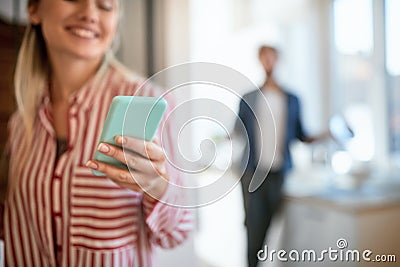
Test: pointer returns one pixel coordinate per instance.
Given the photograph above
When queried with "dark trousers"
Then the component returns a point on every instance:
(245, 182)
(260, 206)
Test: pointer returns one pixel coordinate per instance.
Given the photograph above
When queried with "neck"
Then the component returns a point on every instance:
(69, 75)
(271, 84)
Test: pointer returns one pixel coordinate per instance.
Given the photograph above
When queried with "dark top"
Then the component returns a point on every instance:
(62, 146)
(294, 128)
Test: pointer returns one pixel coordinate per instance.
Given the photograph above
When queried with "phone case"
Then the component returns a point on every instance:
(132, 116)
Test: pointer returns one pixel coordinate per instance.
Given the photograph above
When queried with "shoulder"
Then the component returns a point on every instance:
(14, 120)
(120, 79)
(122, 72)
(288, 93)
(292, 98)
(15, 131)
(251, 94)
(250, 97)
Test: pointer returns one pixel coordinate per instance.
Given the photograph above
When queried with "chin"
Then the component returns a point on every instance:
(89, 55)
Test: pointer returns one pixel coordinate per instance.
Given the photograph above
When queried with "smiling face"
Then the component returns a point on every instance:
(82, 29)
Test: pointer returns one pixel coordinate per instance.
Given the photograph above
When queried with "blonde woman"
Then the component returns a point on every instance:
(57, 213)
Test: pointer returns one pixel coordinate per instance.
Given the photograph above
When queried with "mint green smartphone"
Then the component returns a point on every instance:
(131, 116)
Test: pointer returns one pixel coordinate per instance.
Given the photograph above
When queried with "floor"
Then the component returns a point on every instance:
(220, 239)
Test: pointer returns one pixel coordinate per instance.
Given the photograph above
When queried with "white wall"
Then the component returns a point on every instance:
(132, 35)
(311, 63)
(378, 97)
(13, 11)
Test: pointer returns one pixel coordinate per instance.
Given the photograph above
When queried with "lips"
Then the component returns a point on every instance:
(83, 32)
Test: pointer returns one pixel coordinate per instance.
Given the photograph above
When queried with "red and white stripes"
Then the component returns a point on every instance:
(60, 214)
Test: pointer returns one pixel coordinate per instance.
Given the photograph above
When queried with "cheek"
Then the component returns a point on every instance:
(111, 27)
(49, 32)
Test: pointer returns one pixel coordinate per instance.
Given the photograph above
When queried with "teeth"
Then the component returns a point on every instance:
(84, 33)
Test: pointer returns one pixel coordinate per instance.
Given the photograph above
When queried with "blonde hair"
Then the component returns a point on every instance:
(31, 74)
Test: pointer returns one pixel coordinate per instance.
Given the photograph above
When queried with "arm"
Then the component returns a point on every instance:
(240, 118)
(319, 137)
(300, 133)
(152, 175)
(168, 225)
(245, 114)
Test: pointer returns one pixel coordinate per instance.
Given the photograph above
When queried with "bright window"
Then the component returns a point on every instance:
(392, 22)
(353, 72)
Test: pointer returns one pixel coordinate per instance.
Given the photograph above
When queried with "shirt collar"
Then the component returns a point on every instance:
(85, 96)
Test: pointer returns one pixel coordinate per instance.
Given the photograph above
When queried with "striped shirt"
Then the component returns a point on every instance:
(60, 214)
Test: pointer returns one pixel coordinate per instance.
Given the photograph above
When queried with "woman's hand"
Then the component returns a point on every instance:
(147, 164)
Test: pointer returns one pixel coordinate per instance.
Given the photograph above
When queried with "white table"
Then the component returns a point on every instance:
(317, 215)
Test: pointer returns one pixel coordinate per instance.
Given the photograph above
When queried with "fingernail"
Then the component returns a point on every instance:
(124, 177)
(121, 140)
(162, 170)
(103, 148)
(91, 165)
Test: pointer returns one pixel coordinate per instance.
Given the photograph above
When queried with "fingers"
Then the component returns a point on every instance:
(124, 178)
(133, 160)
(112, 172)
(156, 141)
(145, 159)
(146, 149)
(147, 162)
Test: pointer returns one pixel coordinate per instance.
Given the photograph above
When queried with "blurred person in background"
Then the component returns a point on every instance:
(269, 136)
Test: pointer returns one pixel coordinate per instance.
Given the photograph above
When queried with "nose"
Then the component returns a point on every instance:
(88, 11)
